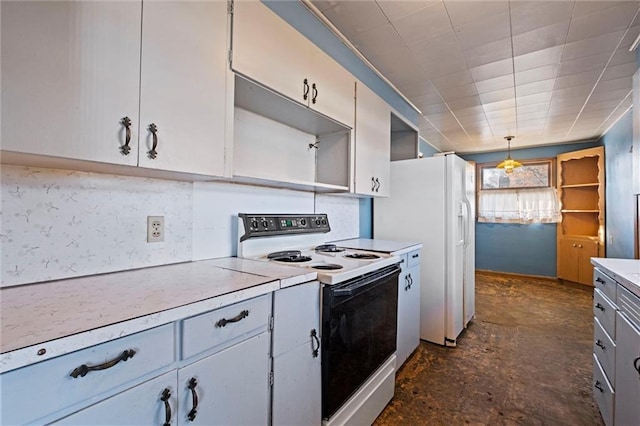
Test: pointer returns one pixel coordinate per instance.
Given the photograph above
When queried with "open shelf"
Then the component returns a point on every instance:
(579, 211)
(582, 185)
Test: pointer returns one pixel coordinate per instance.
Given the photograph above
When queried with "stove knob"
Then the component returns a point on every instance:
(303, 222)
(317, 222)
(265, 224)
(254, 223)
(324, 221)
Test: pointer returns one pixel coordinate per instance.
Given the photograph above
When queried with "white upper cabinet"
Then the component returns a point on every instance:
(71, 73)
(373, 143)
(271, 52)
(184, 61)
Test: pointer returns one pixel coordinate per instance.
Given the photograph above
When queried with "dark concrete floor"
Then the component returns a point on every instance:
(525, 359)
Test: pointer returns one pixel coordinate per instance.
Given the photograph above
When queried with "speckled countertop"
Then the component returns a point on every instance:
(61, 316)
(383, 246)
(624, 271)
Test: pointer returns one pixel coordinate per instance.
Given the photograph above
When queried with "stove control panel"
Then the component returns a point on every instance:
(263, 225)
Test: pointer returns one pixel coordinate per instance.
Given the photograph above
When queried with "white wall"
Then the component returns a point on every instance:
(59, 224)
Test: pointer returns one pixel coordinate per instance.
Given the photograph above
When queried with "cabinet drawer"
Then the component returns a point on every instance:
(605, 349)
(604, 283)
(44, 388)
(226, 326)
(603, 392)
(413, 258)
(605, 311)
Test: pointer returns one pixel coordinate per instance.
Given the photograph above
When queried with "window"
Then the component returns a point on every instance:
(525, 196)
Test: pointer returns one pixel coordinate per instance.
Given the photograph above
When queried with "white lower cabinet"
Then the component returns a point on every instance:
(230, 387)
(297, 395)
(408, 337)
(627, 402)
(152, 402)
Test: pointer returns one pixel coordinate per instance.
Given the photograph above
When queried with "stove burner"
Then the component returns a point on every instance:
(364, 256)
(327, 267)
(329, 248)
(289, 256)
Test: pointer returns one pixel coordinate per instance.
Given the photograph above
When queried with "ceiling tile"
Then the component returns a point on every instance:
(474, 111)
(323, 5)
(593, 62)
(483, 30)
(622, 56)
(614, 84)
(425, 23)
(466, 12)
(436, 48)
(437, 69)
(534, 99)
(604, 21)
(536, 87)
(453, 93)
(579, 79)
(417, 89)
(492, 84)
(537, 107)
(377, 41)
(452, 80)
(429, 99)
(631, 34)
(397, 9)
(537, 74)
(487, 53)
(492, 70)
(540, 38)
(469, 102)
(353, 17)
(617, 71)
(438, 108)
(587, 47)
(497, 95)
(607, 95)
(571, 92)
(496, 106)
(537, 59)
(529, 15)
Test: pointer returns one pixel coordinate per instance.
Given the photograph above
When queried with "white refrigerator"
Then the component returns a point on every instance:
(433, 201)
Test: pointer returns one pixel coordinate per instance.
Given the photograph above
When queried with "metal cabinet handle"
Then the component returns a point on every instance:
(242, 315)
(406, 282)
(598, 386)
(415, 256)
(373, 184)
(600, 280)
(166, 394)
(154, 130)
(84, 369)
(305, 90)
(599, 306)
(126, 122)
(194, 397)
(599, 343)
(636, 364)
(315, 93)
(314, 336)
(377, 185)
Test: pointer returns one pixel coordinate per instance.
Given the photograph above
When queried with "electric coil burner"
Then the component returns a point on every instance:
(327, 267)
(364, 256)
(289, 256)
(329, 248)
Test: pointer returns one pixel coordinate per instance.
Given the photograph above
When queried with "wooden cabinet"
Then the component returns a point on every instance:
(271, 52)
(408, 307)
(372, 144)
(79, 84)
(581, 232)
(296, 356)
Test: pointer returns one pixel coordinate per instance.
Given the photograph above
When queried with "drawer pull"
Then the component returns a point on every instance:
(406, 282)
(599, 343)
(237, 318)
(314, 336)
(600, 280)
(599, 306)
(166, 394)
(598, 386)
(194, 397)
(636, 364)
(84, 368)
(415, 256)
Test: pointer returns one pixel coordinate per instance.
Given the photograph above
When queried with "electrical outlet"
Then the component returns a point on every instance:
(155, 229)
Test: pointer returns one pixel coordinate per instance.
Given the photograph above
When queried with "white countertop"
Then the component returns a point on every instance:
(624, 271)
(66, 315)
(383, 246)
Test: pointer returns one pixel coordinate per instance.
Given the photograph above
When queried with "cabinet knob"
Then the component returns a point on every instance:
(579, 245)
(600, 344)
(598, 386)
(574, 245)
(599, 306)
(600, 280)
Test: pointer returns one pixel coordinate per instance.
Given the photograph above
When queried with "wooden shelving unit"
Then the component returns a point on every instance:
(581, 232)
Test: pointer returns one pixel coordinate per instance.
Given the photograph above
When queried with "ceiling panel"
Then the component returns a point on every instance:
(455, 61)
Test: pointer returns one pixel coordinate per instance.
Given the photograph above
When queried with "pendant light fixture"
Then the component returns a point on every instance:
(508, 165)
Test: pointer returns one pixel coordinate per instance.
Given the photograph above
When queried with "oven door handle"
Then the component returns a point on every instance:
(357, 286)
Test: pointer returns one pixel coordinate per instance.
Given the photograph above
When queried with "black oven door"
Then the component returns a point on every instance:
(359, 323)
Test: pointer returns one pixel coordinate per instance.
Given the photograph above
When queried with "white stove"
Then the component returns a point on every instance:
(297, 240)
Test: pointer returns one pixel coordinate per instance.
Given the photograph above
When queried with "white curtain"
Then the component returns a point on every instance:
(540, 205)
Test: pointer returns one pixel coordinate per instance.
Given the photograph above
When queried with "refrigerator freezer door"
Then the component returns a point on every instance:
(470, 248)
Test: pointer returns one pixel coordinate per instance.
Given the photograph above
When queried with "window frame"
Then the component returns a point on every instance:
(493, 165)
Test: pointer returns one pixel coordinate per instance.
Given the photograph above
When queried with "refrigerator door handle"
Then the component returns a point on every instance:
(467, 228)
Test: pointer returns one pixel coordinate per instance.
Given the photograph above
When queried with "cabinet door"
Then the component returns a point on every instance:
(297, 387)
(270, 51)
(184, 51)
(408, 314)
(627, 409)
(373, 143)
(332, 88)
(296, 313)
(70, 73)
(568, 260)
(586, 250)
(232, 386)
(140, 405)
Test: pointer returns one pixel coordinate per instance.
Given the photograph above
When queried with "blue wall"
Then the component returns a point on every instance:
(521, 249)
(299, 17)
(619, 188)
(426, 149)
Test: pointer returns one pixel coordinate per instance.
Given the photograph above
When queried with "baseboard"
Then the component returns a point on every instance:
(513, 274)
